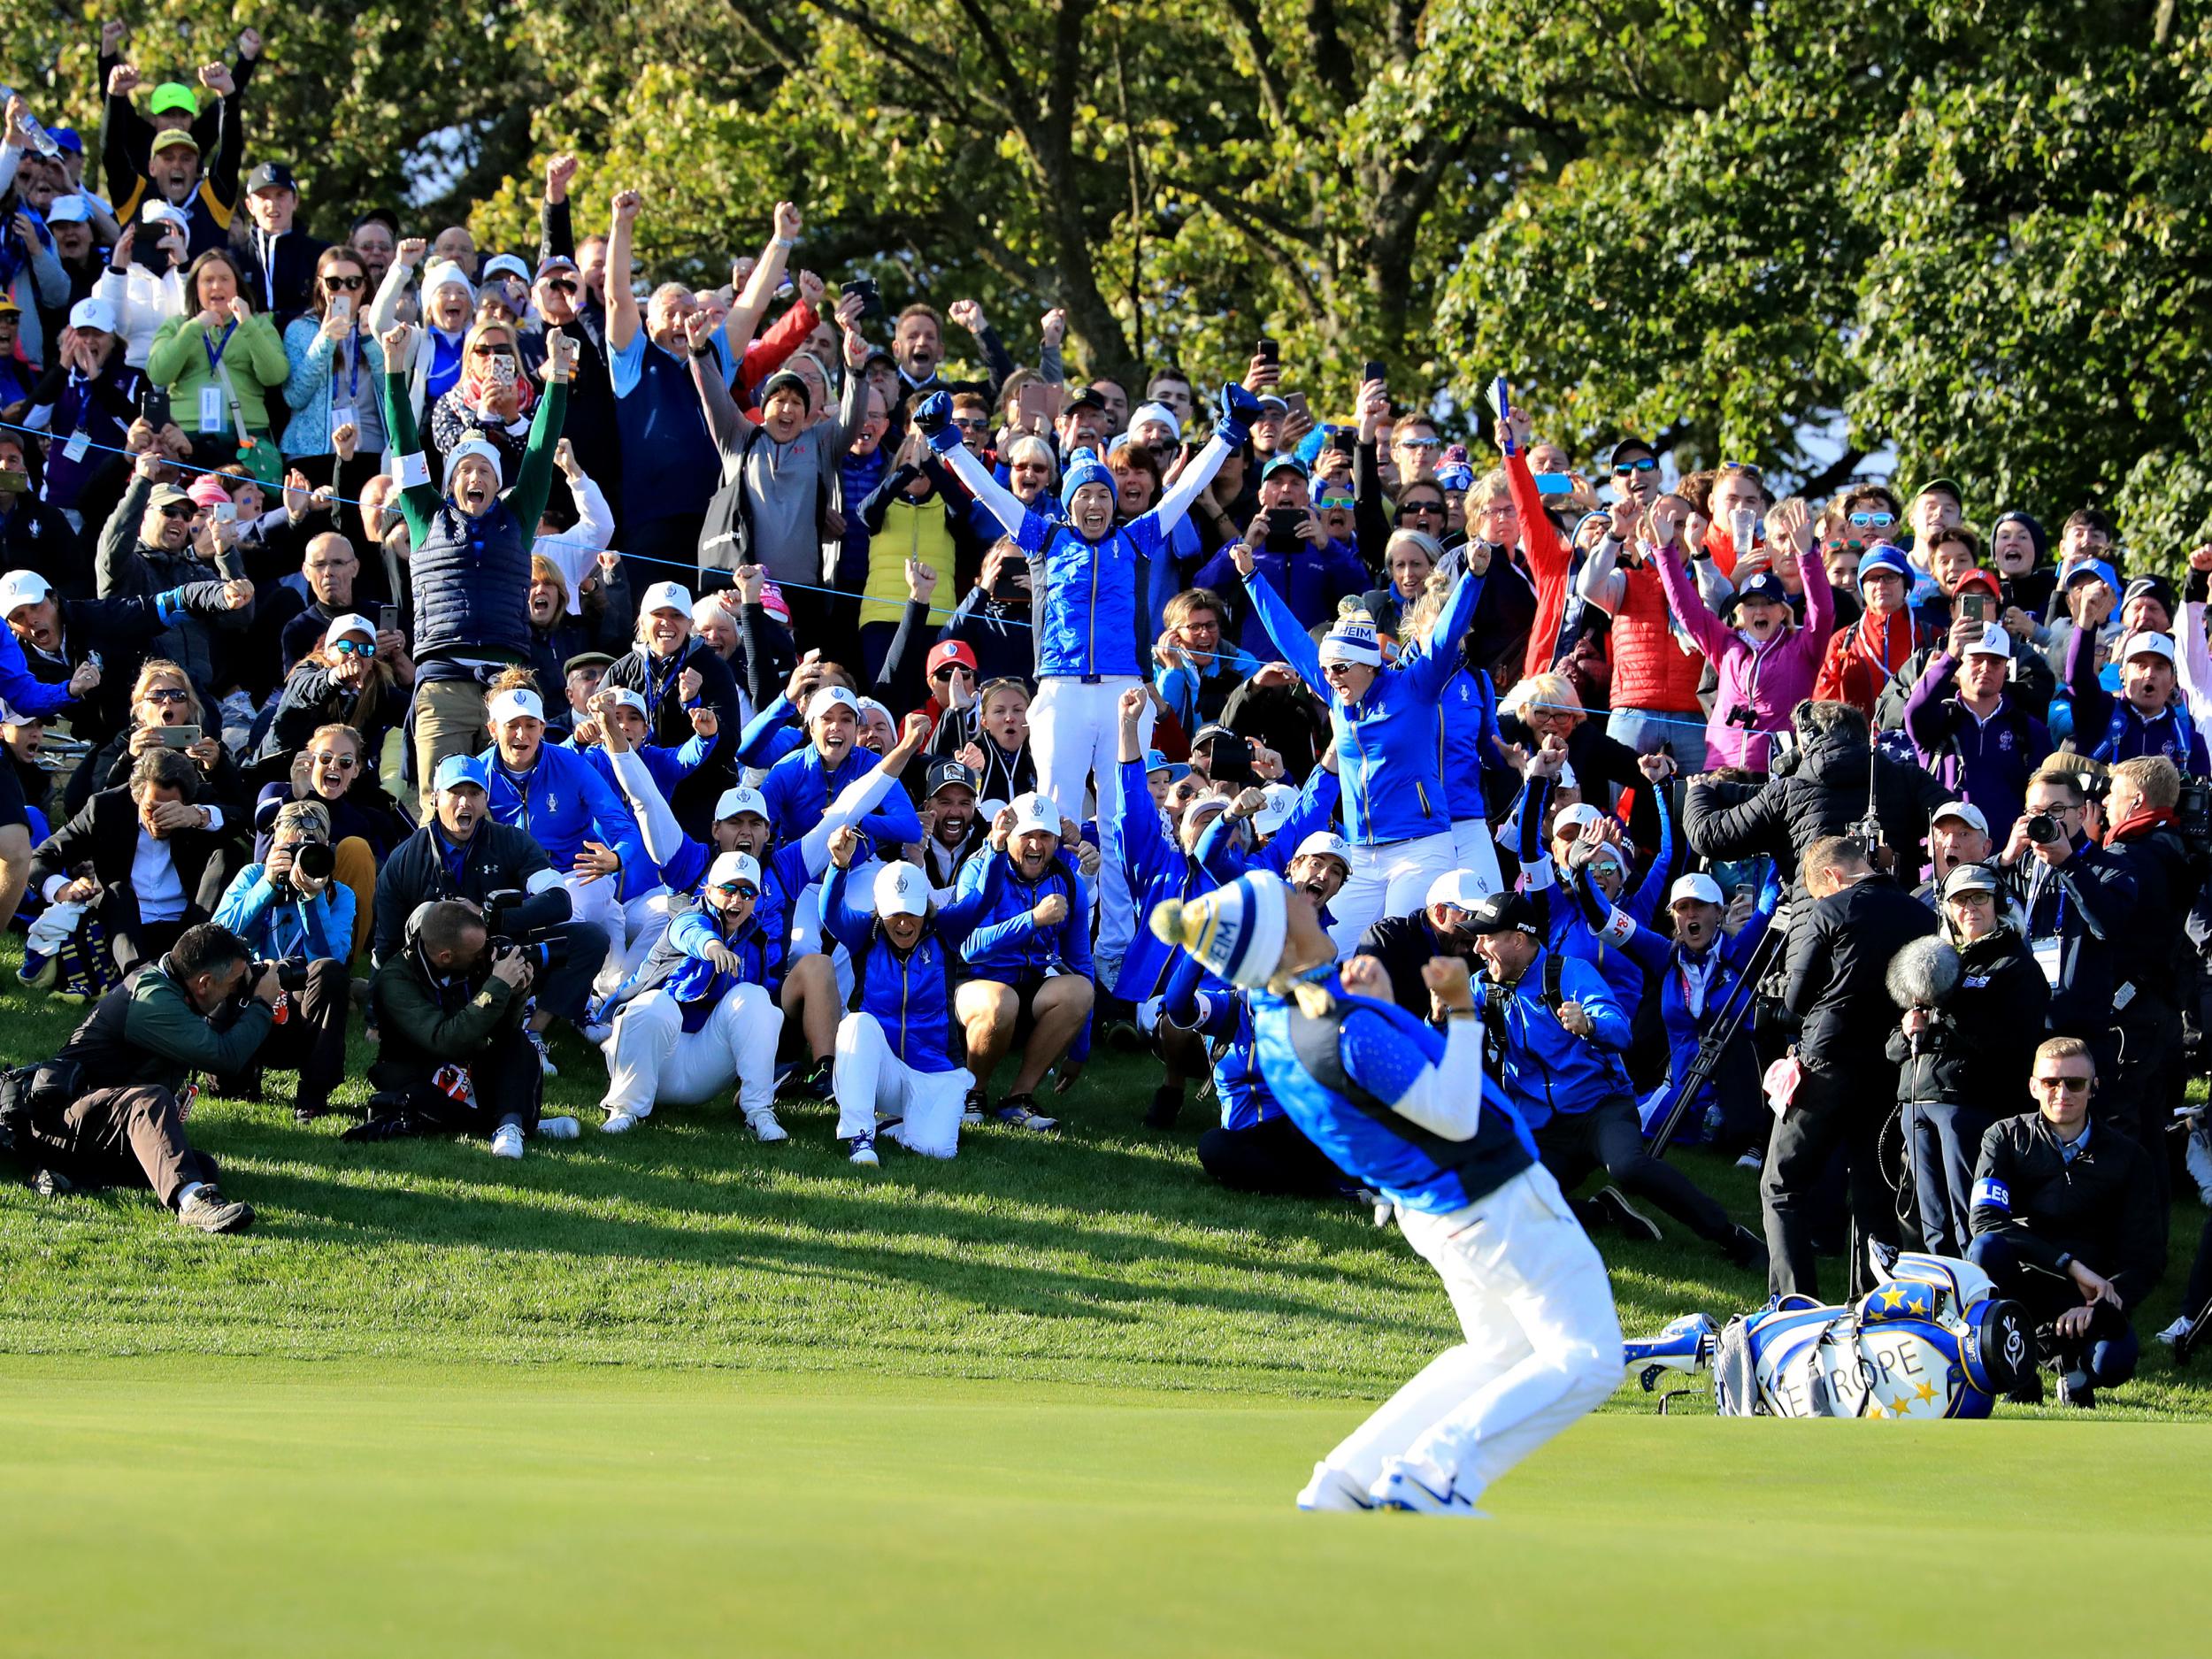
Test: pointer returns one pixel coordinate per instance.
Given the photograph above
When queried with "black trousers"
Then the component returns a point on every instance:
(1609, 1136)
(122, 1137)
(1271, 1156)
(1832, 1110)
(313, 1039)
(2149, 1079)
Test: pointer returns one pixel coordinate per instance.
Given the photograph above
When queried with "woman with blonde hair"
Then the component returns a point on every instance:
(163, 701)
(335, 769)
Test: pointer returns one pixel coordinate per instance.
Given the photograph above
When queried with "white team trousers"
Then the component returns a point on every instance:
(1075, 732)
(1543, 1344)
(652, 1060)
(1389, 880)
(1475, 847)
(870, 1081)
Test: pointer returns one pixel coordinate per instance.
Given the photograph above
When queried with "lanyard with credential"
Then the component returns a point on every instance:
(215, 352)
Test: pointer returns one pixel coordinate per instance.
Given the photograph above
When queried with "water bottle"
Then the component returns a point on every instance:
(39, 140)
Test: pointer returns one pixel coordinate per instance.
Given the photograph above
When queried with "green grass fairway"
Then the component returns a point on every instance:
(677, 1392)
(345, 1509)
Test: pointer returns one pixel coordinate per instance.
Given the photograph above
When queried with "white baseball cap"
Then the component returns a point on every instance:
(70, 210)
(93, 313)
(1325, 844)
(830, 697)
(1461, 889)
(738, 799)
(627, 698)
(19, 588)
(1034, 812)
(162, 213)
(2147, 644)
(512, 704)
(1577, 817)
(665, 596)
(1965, 810)
(734, 867)
(1200, 806)
(1996, 642)
(1696, 886)
(901, 889)
(867, 703)
(1282, 801)
(351, 622)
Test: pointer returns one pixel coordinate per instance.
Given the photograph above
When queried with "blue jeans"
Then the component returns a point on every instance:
(2107, 1353)
(1644, 730)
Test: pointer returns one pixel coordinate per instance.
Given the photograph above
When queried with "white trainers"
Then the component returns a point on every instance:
(536, 1039)
(2175, 1332)
(507, 1142)
(1332, 1489)
(1401, 1490)
(619, 1123)
(860, 1150)
(765, 1128)
(559, 1128)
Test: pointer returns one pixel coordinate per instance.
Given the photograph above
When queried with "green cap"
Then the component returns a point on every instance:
(1949, 486)
(174, 95)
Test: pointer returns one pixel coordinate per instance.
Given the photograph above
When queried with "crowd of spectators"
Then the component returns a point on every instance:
(467, 648)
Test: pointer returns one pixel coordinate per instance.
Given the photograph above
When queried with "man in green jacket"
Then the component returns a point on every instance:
(180, 1014)
(451, 1053)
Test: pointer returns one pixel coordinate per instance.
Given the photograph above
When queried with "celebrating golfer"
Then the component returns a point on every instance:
(1410, 1114)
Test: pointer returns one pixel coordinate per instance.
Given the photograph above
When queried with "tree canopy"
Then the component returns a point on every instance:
(1962, 231)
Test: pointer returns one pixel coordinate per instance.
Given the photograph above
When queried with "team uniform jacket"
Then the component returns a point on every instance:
(909, 993)
(1386, 744)
(562, 800)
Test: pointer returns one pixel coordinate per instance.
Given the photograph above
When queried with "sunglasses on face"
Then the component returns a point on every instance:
(493, 351)
(179, 510)
(353, 648)
(971, 423)
(335, 761)
(1642, 463)
(2072, 1084)
(1873, 520)
(345, 284)
(1331, 669)
(1418, 443)
(950, 669)
(168, 694)
(1423, 508)
(559, 285)
(738, 890)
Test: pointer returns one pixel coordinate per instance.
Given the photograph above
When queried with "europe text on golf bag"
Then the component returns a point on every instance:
(1933, 1340)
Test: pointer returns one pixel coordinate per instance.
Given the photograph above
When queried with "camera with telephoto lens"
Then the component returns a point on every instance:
(291, 972)
(544, 947)
(2043, 828)
(315, 860)
(2193, 808)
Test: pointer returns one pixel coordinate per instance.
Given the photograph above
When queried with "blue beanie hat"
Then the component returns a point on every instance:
(1085, 467)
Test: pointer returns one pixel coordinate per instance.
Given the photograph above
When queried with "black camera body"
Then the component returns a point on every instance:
(2193, 808)
(1744, 716)
(545, 947)
(2044, 828)
(315, 860)
(291, 972)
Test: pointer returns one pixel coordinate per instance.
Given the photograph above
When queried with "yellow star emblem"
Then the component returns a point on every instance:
(1874, 1409)
(1893, 1297)
(1926, 1391)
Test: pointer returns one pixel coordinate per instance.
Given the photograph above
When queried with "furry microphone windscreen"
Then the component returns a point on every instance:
(1923, 974)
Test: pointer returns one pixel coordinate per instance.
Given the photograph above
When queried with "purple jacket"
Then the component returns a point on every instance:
(1984, 762)
(1770, 682)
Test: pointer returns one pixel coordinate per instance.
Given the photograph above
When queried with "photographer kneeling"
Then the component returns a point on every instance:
(292, 915)
(462, 853)
(449, 1006)
(106, 1112)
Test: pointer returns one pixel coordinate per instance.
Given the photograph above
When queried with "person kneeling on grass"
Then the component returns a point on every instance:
(898, 1071)
(1030, 959)
(108, 1111)
(699, 1015)
(453, 1057)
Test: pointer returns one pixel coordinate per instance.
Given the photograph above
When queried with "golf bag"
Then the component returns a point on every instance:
(1932, 1340)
